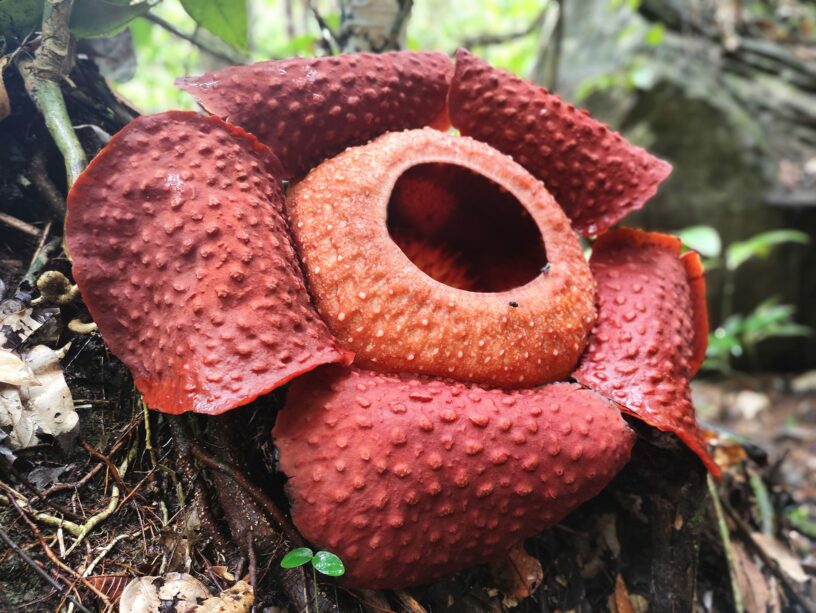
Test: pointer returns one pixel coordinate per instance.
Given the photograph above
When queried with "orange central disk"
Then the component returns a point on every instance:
(433, 253)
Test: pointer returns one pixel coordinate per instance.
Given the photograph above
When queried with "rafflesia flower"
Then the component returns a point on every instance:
(491, 360)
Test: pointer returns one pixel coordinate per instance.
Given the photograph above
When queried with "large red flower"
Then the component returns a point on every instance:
(449, 265)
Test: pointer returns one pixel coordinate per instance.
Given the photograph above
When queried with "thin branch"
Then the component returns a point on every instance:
(45, 186)
(19, 224)
(42, 75)
(231, 57)
(36, 568)
(53, 557)
(486, 40)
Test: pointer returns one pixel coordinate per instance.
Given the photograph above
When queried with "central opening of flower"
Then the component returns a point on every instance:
(464, 230)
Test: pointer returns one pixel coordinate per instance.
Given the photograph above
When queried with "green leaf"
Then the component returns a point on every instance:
(760, 246)
(705, 240)
(655, 34)
(93, 18)
(19, 17)
(297, 557)
(227, 19)
(329, 564)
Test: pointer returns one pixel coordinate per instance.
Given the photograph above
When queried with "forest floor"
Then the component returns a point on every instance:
(164, 512)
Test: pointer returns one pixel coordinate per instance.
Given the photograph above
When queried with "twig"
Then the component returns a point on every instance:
(53, 557)
(36, 568)
(194, 39)
(42, 75)
(398, 25)
(485, 40)
(328, 36)
(45, 186)
(40, 258)
(105, 460)
(16, 499)
(19, 224)
(261, 498)
(770, 562)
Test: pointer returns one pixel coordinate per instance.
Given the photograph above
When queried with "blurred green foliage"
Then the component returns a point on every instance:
(271, 33)
(739, 334)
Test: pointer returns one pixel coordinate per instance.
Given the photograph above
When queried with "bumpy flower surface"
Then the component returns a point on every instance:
(649, 339)
(309, 109)
(425, 252)
(183, 256)
(594, 173)
(410, 478)
(394, 316)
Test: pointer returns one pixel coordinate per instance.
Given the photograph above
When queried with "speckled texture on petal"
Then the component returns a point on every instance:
(594, 173)
(409, 479)
(650, 336)
(184, 259)
(397, 318)
(309, 109)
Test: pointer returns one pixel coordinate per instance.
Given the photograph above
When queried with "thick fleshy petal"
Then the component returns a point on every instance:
(183, 257)
(409, 479)
(394, 315)
(595, 174)
(650, 335)
(309, 109)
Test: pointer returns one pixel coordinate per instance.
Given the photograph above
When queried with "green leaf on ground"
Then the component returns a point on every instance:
(297, 557)
(329, 564)
(227, 19)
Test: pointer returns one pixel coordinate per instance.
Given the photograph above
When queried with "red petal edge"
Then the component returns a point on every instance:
(650, 335)
(410, 478)
(183, 257)
(309, 109)
(595, 174)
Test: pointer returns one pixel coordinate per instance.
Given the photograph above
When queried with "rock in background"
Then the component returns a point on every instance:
(730, 100)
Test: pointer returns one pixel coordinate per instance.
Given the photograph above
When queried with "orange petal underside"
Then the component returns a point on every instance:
(184, 259)
(595, 174)
(309, 109)
(650, 335)
(494, 220)
(409, 478)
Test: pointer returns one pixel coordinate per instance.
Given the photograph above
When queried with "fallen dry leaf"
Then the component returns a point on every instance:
(623, 603)
(756, 594)
(42, 406)
(518, 574)
(14, 370)
(147, 594)
(183, 593)
(776, 551)
(237, 599)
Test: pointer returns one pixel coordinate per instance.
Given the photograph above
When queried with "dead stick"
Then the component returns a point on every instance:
(36, 568)
(107, 462)
(53, 557)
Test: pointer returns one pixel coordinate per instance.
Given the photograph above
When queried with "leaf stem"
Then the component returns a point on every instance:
(42, 75)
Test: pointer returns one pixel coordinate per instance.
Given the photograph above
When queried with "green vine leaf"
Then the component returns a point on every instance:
(297, 557)
(227, 19)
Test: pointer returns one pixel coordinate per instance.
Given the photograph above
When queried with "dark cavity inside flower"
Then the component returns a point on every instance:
(462, 229)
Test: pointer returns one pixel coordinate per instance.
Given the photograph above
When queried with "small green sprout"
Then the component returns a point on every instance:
(324, 562)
